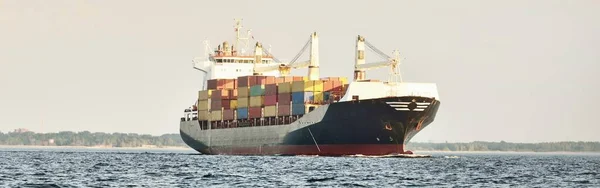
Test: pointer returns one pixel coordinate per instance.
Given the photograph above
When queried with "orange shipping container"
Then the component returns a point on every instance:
(284, 79)
(270, 80)
(327, 85)
(331, 78)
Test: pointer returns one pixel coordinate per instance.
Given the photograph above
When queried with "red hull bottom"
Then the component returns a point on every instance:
(321, 150)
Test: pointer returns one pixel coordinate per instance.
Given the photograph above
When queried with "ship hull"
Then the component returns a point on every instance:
(367, 127)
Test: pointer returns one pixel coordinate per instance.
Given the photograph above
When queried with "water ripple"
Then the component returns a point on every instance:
(55, 168)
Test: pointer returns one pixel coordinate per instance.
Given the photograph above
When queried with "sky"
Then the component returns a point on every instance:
(517, 71)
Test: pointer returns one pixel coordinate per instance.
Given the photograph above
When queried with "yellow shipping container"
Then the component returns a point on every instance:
(233, 104)
(216, 115)
(284, 87)
(318, 96)
(301, 86)
(344, 80)
(297, 86)
(270, 111)
(203, 104)
(204, 94)
(243, 91)
(318, 85)
(257, 101)
(203, 115)
(242, 102)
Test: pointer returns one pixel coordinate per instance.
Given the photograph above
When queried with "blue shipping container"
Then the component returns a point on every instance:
(326, 96)
(242, 113)
(298, 109)
(302, 97)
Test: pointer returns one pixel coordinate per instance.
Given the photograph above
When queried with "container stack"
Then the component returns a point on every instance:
(255, 97)
(270, 100)
(243, 96)
(204, 105)
(284, 98)
(333, 88)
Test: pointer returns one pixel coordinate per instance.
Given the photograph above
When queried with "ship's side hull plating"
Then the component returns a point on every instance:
(368, 127)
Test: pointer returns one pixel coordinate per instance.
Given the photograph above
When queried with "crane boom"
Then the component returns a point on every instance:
(284, 68)
(369, 66)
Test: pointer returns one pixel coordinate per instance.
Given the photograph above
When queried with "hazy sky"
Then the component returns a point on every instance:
(520, 71)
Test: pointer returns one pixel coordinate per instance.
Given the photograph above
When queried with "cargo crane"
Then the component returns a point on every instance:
(284, 68)
(360, 66)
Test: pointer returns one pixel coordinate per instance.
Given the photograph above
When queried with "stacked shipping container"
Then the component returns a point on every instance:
(251, 97)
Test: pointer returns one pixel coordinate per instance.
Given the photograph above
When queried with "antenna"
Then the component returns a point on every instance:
(238, 38)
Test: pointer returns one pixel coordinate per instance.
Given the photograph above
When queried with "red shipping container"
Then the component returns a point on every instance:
(233, 94)
(336, 86)
(271, 89)
(244, 81)
(270, 100)
(228, 114)
(283, 110)
(215, 95)
(270, 80)
(211, 84)
(254, 112)
(226, 103)
(284, 98)
(220, 84)
(258, 80)
(215, 104)
(220, 94)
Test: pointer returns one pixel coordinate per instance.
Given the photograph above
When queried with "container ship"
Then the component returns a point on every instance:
(249, 104)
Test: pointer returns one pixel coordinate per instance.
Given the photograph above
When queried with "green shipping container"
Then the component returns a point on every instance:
(257, 90)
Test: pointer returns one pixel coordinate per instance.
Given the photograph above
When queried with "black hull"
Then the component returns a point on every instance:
(369, 127)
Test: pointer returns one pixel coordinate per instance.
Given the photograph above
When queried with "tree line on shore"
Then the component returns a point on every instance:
(86, 138)
(507, 146)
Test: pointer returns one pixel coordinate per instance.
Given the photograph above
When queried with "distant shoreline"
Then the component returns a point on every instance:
(98, 147)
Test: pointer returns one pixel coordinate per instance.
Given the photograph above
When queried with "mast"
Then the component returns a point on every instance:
(313, 68)
(257, 58)
(360, 58)
(239, 39)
